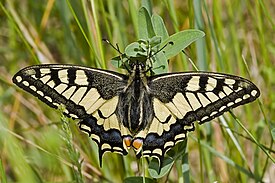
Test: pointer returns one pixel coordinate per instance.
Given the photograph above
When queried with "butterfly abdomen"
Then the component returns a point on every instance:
(135, 105)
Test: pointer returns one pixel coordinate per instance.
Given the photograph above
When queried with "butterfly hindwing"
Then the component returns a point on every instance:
(182, 98)
(90, 95)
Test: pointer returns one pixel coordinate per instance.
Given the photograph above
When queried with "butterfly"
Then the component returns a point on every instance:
(149, 113)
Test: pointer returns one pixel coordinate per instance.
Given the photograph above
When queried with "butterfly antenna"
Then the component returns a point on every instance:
(118, 50)
(115, 47)
(169, 43)
(151, 55)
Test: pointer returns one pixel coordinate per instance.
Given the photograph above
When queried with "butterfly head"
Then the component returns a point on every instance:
(139, 65)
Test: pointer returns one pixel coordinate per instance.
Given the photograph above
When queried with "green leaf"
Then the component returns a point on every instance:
(159, 27)
(160, 64)
(178, 150)
(148, 49)
(155, 41)
(148, 5)
(185, 168)
(135, 49)
(119, 61)
(145, 26)
(177, 42)
(138, 180)
(154, 167)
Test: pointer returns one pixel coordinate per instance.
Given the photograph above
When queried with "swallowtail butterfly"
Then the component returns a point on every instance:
(148, 113)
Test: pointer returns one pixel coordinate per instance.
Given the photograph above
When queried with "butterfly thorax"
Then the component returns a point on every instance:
(135, 102)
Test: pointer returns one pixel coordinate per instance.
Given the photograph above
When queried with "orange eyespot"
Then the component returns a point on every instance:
(127, 141)
(137, 144)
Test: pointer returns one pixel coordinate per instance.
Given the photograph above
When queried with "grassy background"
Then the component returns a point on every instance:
(36, 146)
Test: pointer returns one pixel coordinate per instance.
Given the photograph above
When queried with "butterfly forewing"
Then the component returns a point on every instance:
(76, 87)
(201, 94)
(180, 99)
